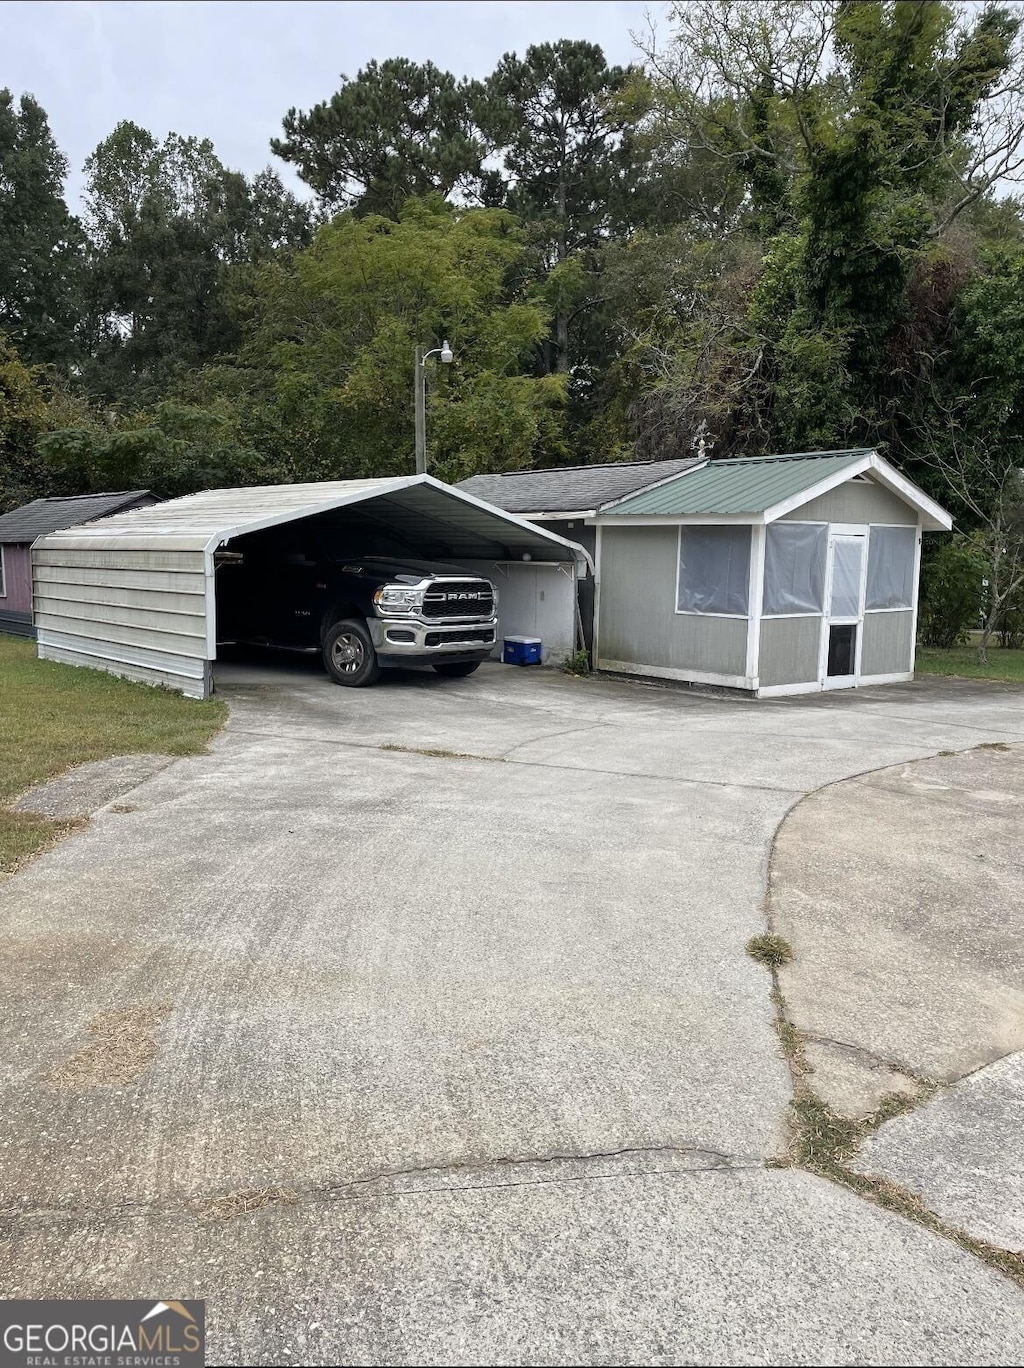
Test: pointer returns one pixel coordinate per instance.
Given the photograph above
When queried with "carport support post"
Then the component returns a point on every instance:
(421, 415)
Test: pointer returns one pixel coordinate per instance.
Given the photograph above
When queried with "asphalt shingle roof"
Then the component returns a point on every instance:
(749, 484)
(570, 489)
(40, 516)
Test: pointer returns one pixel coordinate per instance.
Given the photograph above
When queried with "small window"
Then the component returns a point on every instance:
(714, 570)
(794, 568)
(891, 556)
(3, 575)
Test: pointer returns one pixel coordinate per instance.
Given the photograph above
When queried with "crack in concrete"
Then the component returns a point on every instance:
(813, 1038)
(388, 749)
(554, 736)
(391, 1183)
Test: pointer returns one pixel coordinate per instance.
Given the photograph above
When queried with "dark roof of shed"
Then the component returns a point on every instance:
(571, 489)
(40, 516)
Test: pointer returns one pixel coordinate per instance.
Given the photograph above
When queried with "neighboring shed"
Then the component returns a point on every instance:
(777, 575)
(566, 499)
(20, 528)
(136, 594)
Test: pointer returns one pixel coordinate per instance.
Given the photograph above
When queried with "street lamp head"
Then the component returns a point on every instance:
(447, 355)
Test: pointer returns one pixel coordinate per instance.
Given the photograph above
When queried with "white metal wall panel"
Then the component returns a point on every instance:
(133, 612)
(533, 600)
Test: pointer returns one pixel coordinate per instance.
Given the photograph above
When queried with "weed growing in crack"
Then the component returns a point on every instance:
(823, 1138)
(227, 1205)
(770, 950)
(823, 1141)
(439, 754)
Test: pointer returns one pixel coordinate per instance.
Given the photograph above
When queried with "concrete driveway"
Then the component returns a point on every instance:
(414, 1024)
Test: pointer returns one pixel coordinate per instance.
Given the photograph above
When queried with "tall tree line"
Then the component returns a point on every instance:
(789, 225)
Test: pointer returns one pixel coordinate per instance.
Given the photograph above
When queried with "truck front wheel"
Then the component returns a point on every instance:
(349, 656)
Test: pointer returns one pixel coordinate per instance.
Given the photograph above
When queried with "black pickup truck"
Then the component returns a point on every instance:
(363, 614)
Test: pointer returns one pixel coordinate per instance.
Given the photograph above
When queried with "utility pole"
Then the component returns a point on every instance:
(421, 414)
(419, 386)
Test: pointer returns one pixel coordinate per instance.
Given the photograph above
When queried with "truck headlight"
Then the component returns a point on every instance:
(393, 598)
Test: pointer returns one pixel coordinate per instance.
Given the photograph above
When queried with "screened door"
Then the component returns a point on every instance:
(844, 618)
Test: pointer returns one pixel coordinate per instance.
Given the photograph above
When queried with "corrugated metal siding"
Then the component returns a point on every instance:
(888, 643)
(17, 579)
(136, 613)
(736, 486)
(639, 624)
(855, 502)
(789, 651)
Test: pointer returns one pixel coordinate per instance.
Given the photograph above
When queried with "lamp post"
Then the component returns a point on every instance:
(422, 357)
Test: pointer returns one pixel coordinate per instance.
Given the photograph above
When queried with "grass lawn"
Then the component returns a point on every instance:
(1005, 665)
(55, 716)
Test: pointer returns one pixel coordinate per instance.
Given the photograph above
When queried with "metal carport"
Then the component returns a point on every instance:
(135, 594)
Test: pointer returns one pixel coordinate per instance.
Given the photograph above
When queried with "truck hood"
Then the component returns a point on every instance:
(412, 570)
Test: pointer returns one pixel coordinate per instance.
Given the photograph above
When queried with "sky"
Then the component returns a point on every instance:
(229, 70)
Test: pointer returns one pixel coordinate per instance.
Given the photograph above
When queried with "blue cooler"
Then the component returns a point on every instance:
(520, 650)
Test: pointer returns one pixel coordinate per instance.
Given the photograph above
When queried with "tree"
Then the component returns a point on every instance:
(324, 379)
(40, 242)
(564, 140)
(22, 422)
(172, 449)
(33, 401)
(398, 129)
(972, 434)
(167, 224)
(864, 136)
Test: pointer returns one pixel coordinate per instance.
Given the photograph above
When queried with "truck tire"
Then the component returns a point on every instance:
(457, 669)
(349, 657)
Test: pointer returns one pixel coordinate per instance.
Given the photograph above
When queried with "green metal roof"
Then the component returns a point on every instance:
(749, 484)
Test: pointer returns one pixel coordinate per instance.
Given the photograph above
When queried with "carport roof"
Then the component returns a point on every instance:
(206, 520)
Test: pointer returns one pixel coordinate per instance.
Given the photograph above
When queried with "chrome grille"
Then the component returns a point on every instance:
(459, 598)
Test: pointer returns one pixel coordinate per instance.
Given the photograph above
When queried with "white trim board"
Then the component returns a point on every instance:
(886, 475)
(681, 676)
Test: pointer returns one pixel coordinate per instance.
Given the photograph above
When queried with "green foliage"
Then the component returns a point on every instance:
(397, 131)
(951, 592)
(326, 370)
(789, 230)
(22, 422)
(577, 663)
(40, 243)
(170, 228)
(172, 449)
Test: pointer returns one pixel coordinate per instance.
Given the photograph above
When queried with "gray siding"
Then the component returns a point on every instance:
(855, 502)
(789, 651)
(888, 643)
(639, 624)
(141, 614)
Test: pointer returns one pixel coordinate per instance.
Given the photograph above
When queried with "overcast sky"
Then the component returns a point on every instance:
(230, 69)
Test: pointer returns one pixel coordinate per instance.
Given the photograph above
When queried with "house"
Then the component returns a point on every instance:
(774, 575)
(20, 528)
